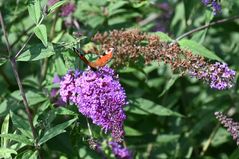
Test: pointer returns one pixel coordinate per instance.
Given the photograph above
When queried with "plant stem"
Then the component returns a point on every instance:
(24, 45)
(205, 26)
(22, 34)
(25, 102)
(5, 34)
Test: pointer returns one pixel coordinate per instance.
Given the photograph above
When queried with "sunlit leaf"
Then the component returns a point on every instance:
(198, 49)
(36, 52)
(41, 33)
(6, 152)
(35, 11)
(4, 130)
(56, 5)
(18, 138)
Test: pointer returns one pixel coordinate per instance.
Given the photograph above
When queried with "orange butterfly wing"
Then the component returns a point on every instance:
(103, 60)
(100, 62)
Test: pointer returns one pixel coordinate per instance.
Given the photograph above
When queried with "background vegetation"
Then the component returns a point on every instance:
(168, 115)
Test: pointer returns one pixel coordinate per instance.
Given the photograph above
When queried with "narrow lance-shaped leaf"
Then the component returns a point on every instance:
(18, 138)
(56, 130)
(163, 36)
(56, 5)
(169, 84)
(6, 152)
(41, 33)
(198, 49)
(21, 124)
(4, 130)
(35, 11)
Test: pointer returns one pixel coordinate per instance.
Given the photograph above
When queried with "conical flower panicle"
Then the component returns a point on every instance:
(99, 96)
(130, 45)
(232, 126)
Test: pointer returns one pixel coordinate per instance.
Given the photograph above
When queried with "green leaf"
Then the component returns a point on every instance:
(56, 5)
(235, 154)
(167, 138)
(96, 21)
(169, 84)
(37, 52)
(6, 152)
(29, 154)
(41, 33)
(131, 132)
(60, 66)
(18, 138)
(127, 70)
(56, 130)
(138, 4)
(163, 36)
(35, 11)
(221, 137)
(114, 6)
(21, 124)
(144, 107)
(198, 49)
(2, 61)
(32, 97)
(4, 130)
(178, 22)
(64, 111)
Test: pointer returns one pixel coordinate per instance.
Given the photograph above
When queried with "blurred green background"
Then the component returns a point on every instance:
(168, 116)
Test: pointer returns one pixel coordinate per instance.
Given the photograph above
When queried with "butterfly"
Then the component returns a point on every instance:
(100, 62)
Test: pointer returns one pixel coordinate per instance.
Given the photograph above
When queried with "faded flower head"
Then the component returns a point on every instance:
(130, 45)
(67, 9)
(232, 126)
(214, 4)
(119, 151)
(99, 96)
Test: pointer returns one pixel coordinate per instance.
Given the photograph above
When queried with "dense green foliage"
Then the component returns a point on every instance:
(169, 115)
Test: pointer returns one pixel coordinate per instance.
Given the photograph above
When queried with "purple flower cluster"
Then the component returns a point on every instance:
(67, 9)
(163, 20)
(99, 96)
(216, 7)
(232, 126)
(218, 75)
(51, 2)
(119, 151)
